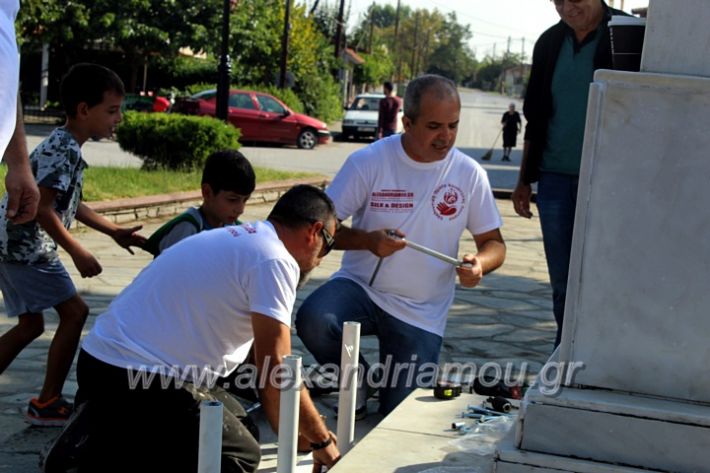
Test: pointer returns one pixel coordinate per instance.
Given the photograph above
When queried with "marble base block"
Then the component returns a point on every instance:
(509, 459)
(617, 428)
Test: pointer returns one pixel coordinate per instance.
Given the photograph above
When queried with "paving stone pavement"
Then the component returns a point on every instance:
(507, 319)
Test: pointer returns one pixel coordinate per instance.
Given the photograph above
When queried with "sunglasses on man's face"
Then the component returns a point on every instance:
(328, 241)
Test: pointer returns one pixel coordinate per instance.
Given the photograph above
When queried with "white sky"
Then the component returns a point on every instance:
(491, 21)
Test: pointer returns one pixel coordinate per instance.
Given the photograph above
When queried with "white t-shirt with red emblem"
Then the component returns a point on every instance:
(380, 186)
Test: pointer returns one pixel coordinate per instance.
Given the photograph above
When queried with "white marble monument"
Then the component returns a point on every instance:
(638, 301)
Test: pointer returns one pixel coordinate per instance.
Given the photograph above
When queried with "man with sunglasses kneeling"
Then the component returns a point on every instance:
(190, 317)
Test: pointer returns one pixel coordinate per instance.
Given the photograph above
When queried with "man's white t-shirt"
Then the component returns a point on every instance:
(380, 186)
(191, 308)
(9, 72)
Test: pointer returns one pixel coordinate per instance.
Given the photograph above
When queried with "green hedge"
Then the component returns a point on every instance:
(176, 142)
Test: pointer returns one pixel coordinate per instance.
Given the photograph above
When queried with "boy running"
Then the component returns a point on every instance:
(32, 278)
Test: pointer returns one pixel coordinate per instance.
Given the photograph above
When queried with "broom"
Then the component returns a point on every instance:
(489, 153)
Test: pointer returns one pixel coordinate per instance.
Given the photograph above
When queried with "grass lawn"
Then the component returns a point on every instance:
(107, 183)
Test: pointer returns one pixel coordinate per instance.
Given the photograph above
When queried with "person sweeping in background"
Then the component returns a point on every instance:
(512, 124)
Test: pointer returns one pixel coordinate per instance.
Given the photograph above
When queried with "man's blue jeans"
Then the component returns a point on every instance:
(556, 202)
(408, 355)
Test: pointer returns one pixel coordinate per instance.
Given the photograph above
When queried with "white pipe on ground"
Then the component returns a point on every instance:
(288, 415)
(209, 459)
(347, 399)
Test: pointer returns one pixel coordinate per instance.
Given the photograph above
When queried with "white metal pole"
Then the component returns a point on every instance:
(347, 399)
(209, 459)
(288, 416)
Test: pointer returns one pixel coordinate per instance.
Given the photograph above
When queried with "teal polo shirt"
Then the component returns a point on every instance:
(570, 89)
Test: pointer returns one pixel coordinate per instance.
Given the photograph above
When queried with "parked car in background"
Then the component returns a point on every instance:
(361, 117)
(145, 103)
(260, 117)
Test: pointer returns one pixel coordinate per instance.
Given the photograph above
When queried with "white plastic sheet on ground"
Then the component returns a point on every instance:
(483, 438)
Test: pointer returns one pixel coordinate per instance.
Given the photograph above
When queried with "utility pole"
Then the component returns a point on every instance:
(284, 45)
(522, 51)
(339, 29)
(507, 52)
(396, 44)
(413, 72)
(225, 66)
(372, 27)
(494, 50)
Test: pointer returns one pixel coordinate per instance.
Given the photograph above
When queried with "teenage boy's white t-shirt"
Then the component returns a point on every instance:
(432, 204)
(192, 306)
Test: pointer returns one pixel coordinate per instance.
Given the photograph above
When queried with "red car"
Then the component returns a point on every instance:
(260, 117)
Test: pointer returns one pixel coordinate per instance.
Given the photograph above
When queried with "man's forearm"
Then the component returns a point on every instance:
(524, 162)
(491, 255)
(311, 426)
(351, 239)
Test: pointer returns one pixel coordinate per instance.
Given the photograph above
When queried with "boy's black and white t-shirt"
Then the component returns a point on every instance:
(56, 164)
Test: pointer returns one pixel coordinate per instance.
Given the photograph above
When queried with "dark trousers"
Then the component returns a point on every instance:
(151, 427)
(556, 202)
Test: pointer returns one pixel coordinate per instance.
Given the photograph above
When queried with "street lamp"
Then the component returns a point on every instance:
(225, 65)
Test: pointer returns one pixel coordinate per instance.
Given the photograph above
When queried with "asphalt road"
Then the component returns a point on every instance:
(479, 127)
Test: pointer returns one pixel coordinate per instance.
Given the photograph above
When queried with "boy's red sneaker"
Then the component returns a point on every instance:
(53, 413)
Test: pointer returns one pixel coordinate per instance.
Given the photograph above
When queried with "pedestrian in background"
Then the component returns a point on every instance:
(511, 127)
(387, 116)
(564, 60)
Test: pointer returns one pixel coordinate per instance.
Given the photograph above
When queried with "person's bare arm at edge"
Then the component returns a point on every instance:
(124, 237)
(491, 254)
(22, 191)
(523, 192)
(272, 341)
(377, 241)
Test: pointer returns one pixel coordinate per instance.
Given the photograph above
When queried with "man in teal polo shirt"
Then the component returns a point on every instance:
(564, 61)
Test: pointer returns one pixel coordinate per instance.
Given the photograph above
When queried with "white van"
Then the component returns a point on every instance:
(361, 117)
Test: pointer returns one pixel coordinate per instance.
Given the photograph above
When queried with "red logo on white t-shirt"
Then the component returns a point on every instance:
(447, 201)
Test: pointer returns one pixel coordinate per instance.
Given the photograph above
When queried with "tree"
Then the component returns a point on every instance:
(452, 57)
(137, 29)
(427, 41)
(133, 33)
(490, 70)
(378, 67)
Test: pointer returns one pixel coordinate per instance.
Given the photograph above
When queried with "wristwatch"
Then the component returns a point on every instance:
(323, 444)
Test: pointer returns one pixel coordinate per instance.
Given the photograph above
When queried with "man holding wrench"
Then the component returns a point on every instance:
(419, 186)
